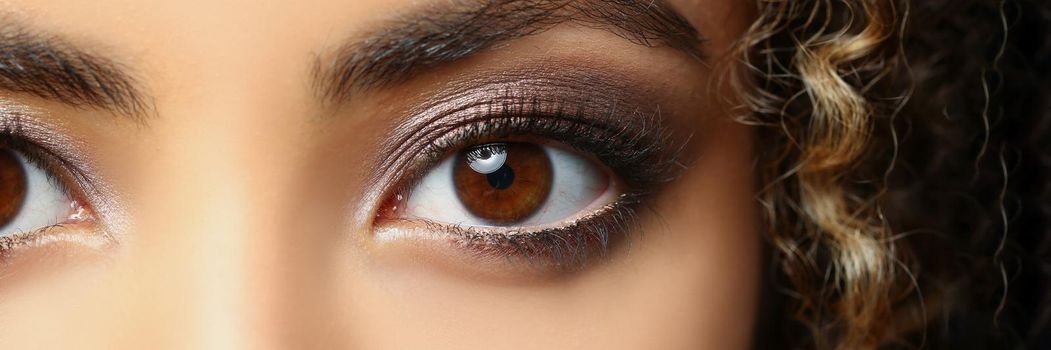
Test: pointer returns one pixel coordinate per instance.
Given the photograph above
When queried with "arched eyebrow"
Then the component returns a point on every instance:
(448, 32)
(45, 66)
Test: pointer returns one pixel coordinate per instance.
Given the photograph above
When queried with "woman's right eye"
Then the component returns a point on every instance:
(30, 198)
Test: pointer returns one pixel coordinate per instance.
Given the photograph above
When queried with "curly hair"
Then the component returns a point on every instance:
(904, 165)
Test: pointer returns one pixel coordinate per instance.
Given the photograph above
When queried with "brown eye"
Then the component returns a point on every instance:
(13, 186)
(503, 183)
(507, 184)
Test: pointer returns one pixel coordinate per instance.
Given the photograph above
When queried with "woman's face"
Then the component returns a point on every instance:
(374, 175)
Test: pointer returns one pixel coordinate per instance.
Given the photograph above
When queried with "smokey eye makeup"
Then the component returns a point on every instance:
(542, 169)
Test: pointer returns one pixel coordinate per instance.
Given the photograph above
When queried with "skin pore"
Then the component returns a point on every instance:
(240, 173)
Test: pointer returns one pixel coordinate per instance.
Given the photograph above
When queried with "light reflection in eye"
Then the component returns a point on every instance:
(509, 184)
(486, 159)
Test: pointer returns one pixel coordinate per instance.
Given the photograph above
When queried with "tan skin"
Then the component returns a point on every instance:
(242, 210)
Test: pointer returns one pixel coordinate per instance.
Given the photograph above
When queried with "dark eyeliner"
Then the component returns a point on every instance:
(50, 150)
(564, 248)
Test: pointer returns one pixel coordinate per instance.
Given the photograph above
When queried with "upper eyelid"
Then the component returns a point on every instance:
(428, 150)
(47, 141)
(572, 90)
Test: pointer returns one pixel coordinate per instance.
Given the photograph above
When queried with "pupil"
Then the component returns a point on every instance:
(502, 178)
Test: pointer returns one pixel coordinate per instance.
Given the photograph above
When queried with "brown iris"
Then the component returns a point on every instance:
(503, 183)
(12, 186)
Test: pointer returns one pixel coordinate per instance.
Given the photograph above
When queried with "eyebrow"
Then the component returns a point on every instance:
(445, 33)
(47, 67)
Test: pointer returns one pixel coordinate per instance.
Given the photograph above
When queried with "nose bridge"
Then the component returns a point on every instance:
(189, 235)
(208, 227)
(212, 227)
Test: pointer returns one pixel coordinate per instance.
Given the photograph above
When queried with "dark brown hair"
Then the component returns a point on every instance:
(906, 170)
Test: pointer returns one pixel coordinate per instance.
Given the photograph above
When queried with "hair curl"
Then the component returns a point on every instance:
(905, 158)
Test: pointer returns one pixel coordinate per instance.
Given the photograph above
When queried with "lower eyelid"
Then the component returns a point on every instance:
(552, 250)
(32, 256)
(83, 234)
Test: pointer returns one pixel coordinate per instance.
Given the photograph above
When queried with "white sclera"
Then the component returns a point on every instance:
(46, 203)
(577, 184)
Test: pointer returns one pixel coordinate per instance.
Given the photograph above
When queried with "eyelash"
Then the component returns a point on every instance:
(639, 154)
(59, 172)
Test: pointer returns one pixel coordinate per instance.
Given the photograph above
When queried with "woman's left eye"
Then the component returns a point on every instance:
(509, 184)
(30, 199)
